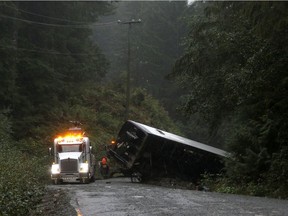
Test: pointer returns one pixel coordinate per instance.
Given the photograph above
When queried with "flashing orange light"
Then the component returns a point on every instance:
(70, 138)
(113, 142)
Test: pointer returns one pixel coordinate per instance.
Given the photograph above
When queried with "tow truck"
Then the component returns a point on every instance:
(73, 158)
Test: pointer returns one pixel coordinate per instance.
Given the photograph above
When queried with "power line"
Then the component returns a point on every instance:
(49, 17)
(53, 52)
(58, 25)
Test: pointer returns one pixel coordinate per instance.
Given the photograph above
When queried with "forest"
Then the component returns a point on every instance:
(215, 72)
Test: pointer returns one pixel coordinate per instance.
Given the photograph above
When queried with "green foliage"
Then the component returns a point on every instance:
(21, 185)
(5, 127)
(220, 183)
(46, 58)
(276, 178)
(234, 76)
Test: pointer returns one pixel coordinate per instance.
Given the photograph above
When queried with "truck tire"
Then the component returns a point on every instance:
(55, 181)
(85, 181)
(92, 179)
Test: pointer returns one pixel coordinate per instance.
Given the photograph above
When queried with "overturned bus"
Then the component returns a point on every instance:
(147, 152)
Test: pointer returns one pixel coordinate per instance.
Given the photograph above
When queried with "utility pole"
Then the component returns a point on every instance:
(128, 65)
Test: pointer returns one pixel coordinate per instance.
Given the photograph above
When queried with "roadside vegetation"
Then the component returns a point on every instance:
(234, 78)
(21, 175)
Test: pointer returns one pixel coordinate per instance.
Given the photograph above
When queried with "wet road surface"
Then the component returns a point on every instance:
(120, 197)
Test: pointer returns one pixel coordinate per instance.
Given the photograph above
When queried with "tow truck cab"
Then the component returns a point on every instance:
(73, 159)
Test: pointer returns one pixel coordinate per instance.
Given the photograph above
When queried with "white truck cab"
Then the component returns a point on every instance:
(73, 159)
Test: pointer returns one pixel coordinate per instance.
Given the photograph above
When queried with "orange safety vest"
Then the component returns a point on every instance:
(104, 161)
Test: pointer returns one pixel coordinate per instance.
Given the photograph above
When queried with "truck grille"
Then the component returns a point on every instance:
(69, 165)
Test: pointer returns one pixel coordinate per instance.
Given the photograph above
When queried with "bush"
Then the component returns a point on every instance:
(276, 178)
(20, 188)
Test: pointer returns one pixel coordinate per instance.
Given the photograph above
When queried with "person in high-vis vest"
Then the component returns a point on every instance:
(104, 168)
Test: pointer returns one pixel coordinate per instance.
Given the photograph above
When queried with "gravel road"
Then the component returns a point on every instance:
(120, 197)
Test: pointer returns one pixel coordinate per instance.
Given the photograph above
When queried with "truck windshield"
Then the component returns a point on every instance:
(69, 148)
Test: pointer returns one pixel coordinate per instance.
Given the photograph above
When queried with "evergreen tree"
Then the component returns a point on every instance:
(53, 58)
(234, 75)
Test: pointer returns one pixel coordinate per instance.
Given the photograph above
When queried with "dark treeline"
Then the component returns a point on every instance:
(46, 62)
(234, 74)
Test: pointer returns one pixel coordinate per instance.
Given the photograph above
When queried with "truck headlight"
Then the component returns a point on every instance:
(55, 169)
(84, 168)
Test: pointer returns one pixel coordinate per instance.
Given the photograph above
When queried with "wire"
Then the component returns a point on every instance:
(53, 52)
(40, 15)
(58, 25)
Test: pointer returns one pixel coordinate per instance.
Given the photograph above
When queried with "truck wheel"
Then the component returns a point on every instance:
(92, 179)
(85, 181)
(55, 181)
